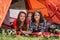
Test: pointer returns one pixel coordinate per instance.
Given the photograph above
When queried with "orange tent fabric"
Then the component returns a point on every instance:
(4, 6)
(34, 4)
(49, 8)
(53, 7)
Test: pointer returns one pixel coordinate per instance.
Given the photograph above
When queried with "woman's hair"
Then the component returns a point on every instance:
(41, 17)
(18, 19)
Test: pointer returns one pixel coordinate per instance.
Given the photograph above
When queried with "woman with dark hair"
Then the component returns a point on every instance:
(38, 23)
(20, 23)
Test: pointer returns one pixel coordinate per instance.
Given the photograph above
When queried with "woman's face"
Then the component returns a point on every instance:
(29, 16)
(37, 16)
(22, 17)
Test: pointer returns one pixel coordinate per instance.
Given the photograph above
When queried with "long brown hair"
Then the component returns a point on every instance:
(41, 17)
(19, 22)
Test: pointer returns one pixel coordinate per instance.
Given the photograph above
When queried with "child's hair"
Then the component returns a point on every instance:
(29, 13)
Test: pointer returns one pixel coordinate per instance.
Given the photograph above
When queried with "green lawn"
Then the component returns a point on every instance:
(27, 38)
(4, 36)
(9, 37)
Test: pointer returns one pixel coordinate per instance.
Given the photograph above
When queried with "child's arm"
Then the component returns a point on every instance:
(27, 27)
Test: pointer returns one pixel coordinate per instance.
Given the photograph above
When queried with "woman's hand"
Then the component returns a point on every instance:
(37, 33)
(26, 32)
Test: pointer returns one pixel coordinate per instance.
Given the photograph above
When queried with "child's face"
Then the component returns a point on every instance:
(29, 16)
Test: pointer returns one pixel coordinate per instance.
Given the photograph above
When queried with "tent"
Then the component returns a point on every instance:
(4, 6)
(50, 9)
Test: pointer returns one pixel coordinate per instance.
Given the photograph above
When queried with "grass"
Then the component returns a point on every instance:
(4, 36)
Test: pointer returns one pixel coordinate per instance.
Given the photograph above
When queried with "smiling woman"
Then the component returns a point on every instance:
(20, 23)
(38, 23)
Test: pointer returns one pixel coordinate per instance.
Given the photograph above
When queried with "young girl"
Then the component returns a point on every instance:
(29, 17)
(20, 23)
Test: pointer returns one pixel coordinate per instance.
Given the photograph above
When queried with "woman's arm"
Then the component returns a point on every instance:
(26, 32)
